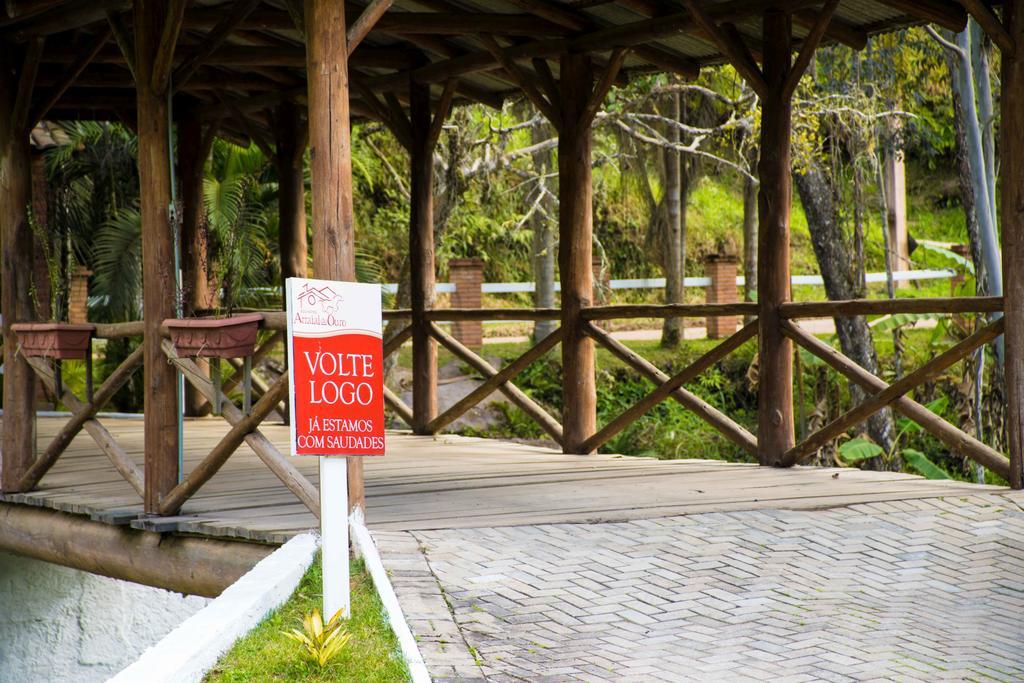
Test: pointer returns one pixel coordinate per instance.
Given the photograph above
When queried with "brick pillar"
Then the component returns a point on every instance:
(467, 274)
(722, 290)
(78, 296)
(602, 282)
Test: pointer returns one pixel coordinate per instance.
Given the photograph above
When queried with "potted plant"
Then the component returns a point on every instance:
(232, 336)
(60, 341)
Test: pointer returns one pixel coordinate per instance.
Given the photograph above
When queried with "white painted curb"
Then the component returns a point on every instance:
(410, 650)
(192, 649)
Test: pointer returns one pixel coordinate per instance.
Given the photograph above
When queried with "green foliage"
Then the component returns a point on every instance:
(321, 642)
(858, 450)
(920, 462)
(267, 654)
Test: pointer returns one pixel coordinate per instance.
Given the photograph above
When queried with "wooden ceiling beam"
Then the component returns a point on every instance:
(810, 46)
(838, 31)
(990, 24)
(205, 79)
(163, 61)
(430, 23)
(948, 15)
(217, 36)
(728, 40)
(69, 78)
(525, 82)
(236, 55)
(578, 21)
(20, 8)
(397, 23)
(368, 18)
(27, 84)
(72, 15)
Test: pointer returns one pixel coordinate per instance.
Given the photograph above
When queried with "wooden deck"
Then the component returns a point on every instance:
(451, 482)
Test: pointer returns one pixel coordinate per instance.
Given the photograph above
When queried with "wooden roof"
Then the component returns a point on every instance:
(243, 56)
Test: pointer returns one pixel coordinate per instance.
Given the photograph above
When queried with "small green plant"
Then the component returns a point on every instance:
(322, 642)
(859, 449)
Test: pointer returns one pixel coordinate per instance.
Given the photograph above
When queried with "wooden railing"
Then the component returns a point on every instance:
(244, 425)
(83, 413)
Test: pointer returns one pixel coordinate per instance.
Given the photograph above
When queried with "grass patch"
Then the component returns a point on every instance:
(372, 656)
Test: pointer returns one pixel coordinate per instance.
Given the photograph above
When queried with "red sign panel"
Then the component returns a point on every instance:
(336, 359)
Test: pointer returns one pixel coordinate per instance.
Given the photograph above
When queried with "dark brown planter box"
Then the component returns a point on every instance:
(62, 341)
(233, 337)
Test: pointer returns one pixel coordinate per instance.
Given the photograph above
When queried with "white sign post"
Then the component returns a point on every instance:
(336, 364)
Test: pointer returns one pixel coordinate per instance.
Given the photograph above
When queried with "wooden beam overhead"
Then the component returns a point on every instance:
(18, 8)
(69, 78)
(123, 38)
(990, 24)
(297, 13)
(441, 112)
(70, 16)
(214, 40)
(604, 84)
(163, 61)
(731, 46)
(525, 82)
(27, 83)
(838, 31)
(450, 23)
(362, 26)
(946, 14)
(809, 47)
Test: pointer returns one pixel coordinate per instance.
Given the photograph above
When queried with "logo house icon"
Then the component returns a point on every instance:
(318, 301)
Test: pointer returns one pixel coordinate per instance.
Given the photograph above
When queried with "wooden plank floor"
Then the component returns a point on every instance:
(452, 482)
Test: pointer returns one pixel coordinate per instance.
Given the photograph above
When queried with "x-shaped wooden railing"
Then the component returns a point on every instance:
(84, 417)
(497, 381)
(883, 394)
(672, 387)
(243, 428)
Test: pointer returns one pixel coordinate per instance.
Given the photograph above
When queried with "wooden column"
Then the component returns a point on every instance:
(1011, 178)
(422, 269)
(290, 140)
(161, 401)
(193, 151)
(575, 252)
(775, 433)
(330, 152)
(16, 253)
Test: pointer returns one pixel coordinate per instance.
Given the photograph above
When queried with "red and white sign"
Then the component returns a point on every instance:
(336, 359)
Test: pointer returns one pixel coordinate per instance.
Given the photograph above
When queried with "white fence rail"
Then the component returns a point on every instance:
(659, 282)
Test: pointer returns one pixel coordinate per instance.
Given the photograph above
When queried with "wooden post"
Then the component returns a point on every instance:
(575, 252)
(16, 253)
(330, 153)
(290, 140)
(896, 204)
(422, 268)
(193, 150)
(1011, 178)
(775, 433)
(160, 380)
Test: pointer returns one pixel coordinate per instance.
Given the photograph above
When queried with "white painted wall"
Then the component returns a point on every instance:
(60, 624)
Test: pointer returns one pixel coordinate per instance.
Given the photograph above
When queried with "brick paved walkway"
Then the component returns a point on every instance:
(918, 590)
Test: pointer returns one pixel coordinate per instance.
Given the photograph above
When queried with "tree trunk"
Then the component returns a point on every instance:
(750, 238)
(674, 225)
(967, 198)
(834, 261)
(963, 84)
(543, 243)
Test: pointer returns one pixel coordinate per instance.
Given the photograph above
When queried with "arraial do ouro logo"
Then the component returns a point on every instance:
(320, 306)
